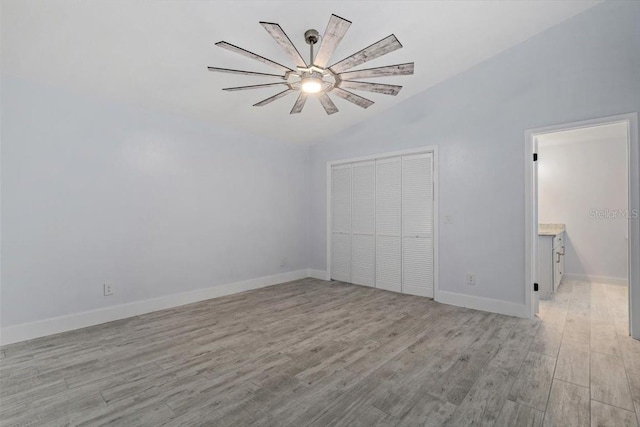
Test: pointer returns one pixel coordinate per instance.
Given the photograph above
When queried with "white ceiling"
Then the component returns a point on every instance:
(155, 53)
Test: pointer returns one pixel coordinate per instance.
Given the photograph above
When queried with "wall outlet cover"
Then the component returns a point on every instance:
(108, 290)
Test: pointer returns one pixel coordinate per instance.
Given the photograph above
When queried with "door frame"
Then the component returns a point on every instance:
(433, 149)
(531, 209)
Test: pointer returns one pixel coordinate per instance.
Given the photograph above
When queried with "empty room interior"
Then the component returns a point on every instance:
(319, 213)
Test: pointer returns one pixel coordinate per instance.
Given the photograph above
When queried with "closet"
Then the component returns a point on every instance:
(381, 223)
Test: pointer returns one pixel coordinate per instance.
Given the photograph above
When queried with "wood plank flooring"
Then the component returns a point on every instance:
(315, 353)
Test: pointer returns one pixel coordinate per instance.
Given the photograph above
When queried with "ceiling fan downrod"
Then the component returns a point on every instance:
(311, 37)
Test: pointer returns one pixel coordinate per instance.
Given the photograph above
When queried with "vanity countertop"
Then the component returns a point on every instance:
(550, 229)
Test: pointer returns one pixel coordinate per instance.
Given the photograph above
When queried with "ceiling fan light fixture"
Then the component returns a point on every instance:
(311, 84)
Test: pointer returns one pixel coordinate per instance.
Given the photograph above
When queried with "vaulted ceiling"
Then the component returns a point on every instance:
(155, 53)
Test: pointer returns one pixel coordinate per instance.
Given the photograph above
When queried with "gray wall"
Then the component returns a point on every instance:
(156, 204)
(584, 68)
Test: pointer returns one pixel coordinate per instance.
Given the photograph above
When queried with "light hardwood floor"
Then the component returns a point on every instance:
(325, 354)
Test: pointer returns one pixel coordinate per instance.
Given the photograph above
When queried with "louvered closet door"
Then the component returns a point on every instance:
(417, 225)
(363, 224)
(341, 223)
(388, 224)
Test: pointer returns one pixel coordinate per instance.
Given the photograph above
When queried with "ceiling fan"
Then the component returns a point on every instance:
(315, 78)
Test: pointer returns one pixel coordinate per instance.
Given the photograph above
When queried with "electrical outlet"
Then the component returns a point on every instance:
(283, 262)
(471, 279)
(448, 219)
(108, 290)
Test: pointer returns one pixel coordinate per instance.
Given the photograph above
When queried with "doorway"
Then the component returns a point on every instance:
(581, 200)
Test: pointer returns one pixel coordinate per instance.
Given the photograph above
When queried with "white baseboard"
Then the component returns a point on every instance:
(484, 304)
(318, 274)
(41, 328)
(597, 279)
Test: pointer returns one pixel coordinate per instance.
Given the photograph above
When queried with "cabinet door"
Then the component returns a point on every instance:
(341, 223)
(546, 267)
(556, 269)
(363, 224)
(389, 224)
(417, 225)
(562, 255)
(558, 259)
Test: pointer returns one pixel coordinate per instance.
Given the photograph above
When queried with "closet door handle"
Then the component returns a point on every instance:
(558, 260)
(562, 250)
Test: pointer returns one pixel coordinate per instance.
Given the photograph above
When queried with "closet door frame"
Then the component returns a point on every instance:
(433, 149)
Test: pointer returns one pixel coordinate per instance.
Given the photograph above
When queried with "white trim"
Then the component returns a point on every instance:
(26, 331)
(436, 226)
(318, 274)
(484, 304)
(328, 203)
(436, 223)
(419, 150)
(596, 279)
(531, 226)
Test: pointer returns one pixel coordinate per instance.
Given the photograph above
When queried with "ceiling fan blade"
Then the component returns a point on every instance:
(389, 70)
(352, 97)
(327, 104)
(336, 29)
(248, 73)
(284, 41)
(231, 89)
(371, 87)
(252, 55)
(299, 105)
(382, 47)
(273, 98)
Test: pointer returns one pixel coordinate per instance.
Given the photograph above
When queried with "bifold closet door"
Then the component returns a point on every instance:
(417, 225)
(341, 223)
(363, 224)
(388, 224)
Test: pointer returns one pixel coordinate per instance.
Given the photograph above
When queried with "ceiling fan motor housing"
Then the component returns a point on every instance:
(311, 36)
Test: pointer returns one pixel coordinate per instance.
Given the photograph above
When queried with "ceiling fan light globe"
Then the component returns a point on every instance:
(311, 85)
